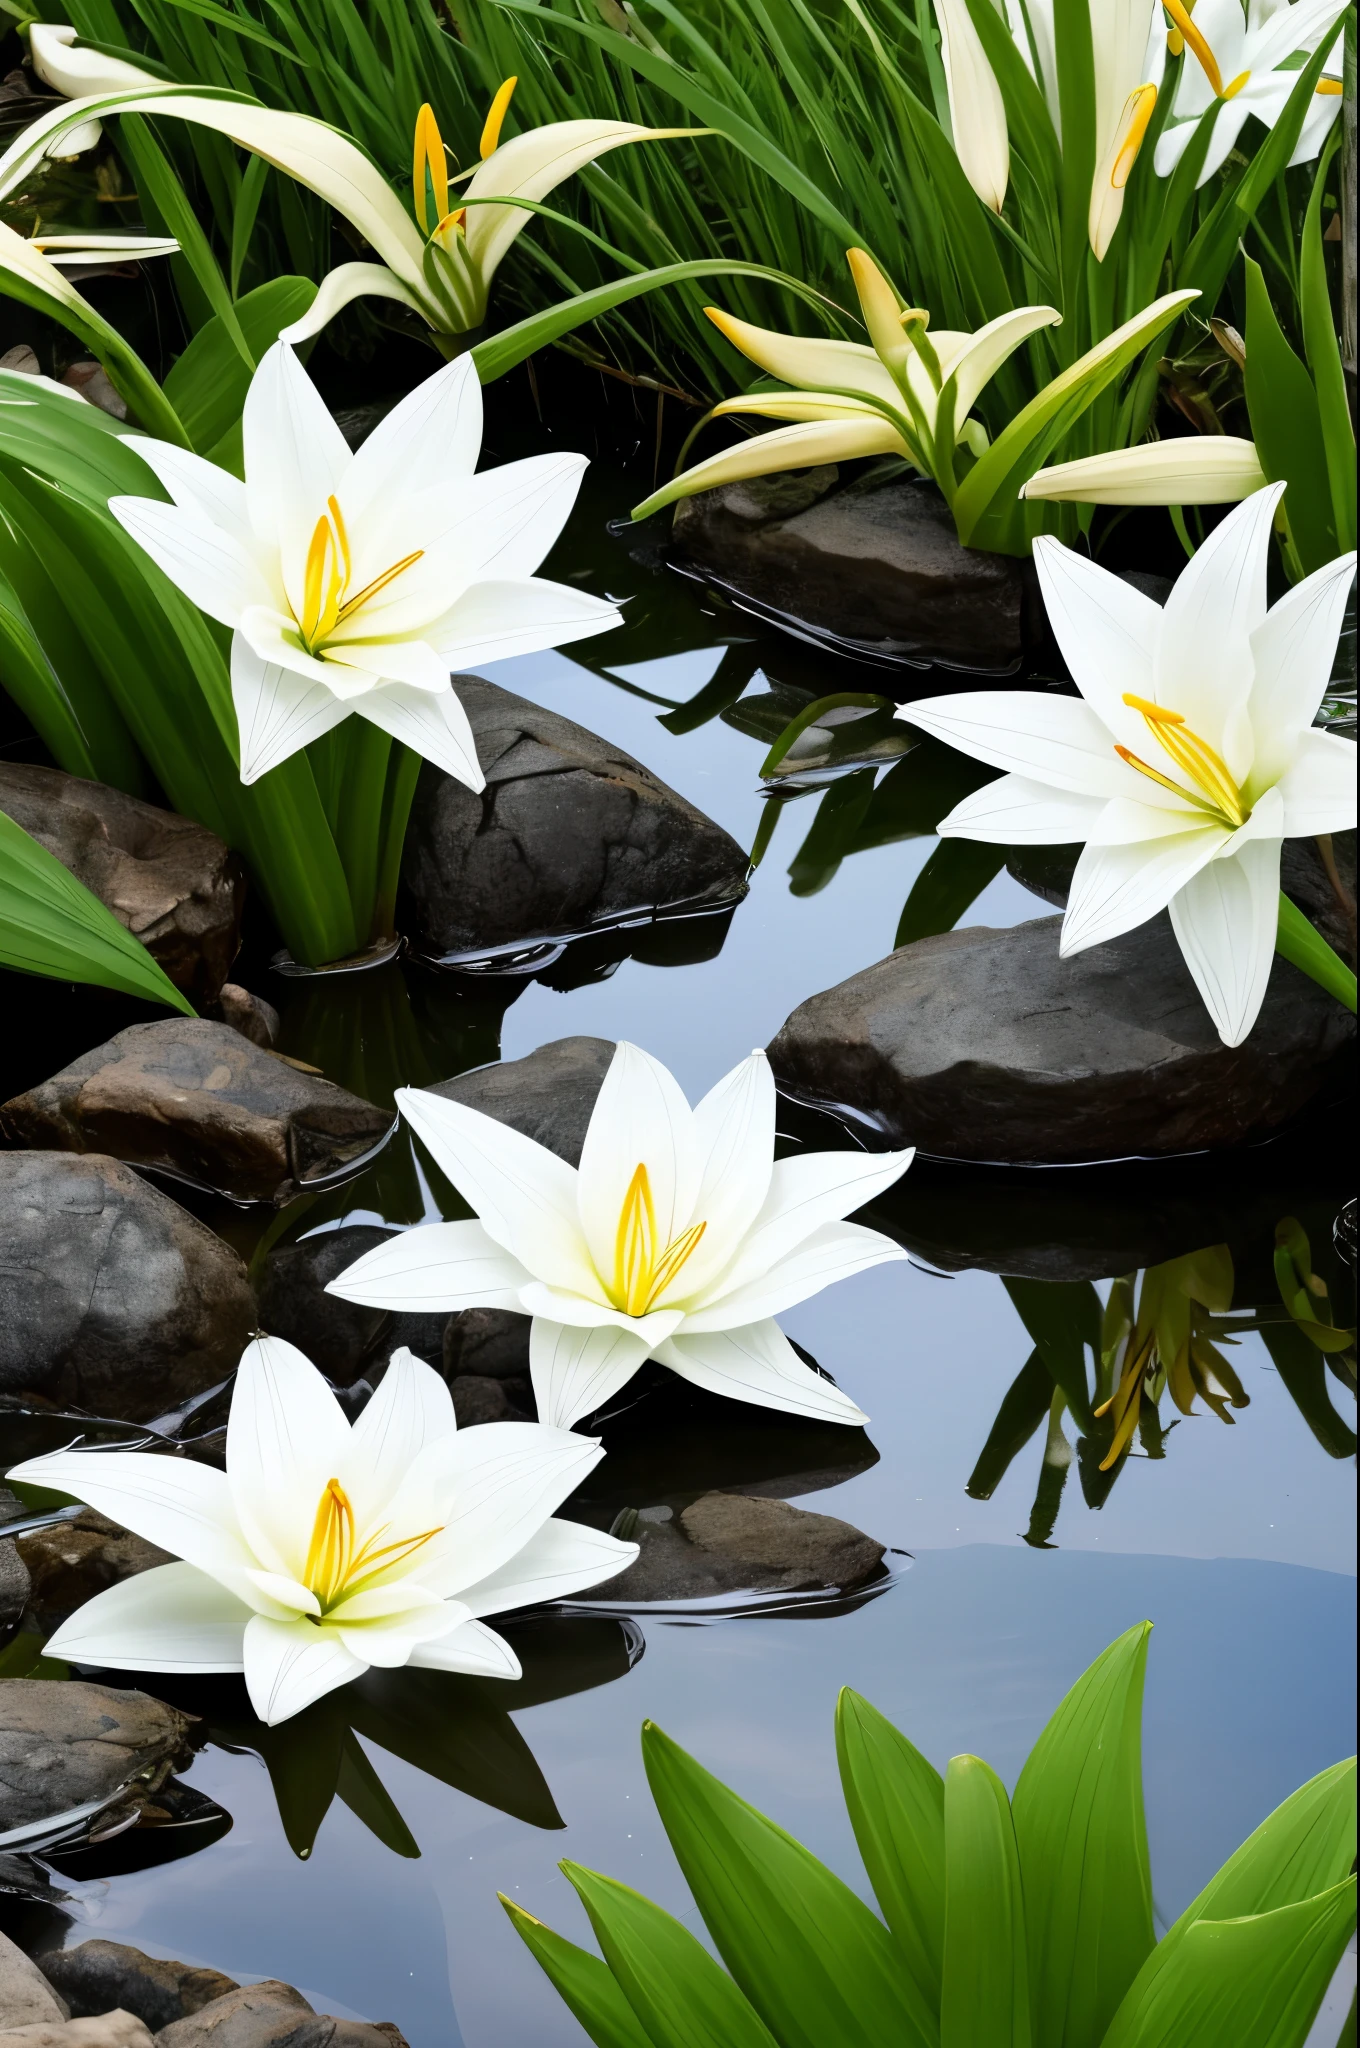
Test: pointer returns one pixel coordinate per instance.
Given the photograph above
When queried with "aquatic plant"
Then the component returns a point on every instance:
(679, 1238)
(1017, 1922)
(1221, 693)
(326, 1548)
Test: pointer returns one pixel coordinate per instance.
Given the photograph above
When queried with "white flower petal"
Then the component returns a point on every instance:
(436, 728)
(562, 1558)
(288, 1664)
(576, 1370)
(493, 620)
(473, 1648)
(758, 1364)
(215, 571)
(734, 1133)
(524, 1194)
(806, 1192)
(428, 442)
(286, 1437)
(1225, 921)
(641, 1119)
(171, 1618)
(295, 458)
(1319, 789)
(1013, 811)
(1107, 632)
(1292, 652)
(1116, 888)
(1054, 740)
(411, 1408)
(182, 1506)
(278, 711)
(388, 1640)
(435, 1268)
(1204, 659)
(502, 1480)
(834, 1252)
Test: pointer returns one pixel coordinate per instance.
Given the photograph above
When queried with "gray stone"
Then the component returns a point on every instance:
(198, 1100)
(569, 834)
(98, 1975)
(731, 1543)
(273, 2015)
(982, 1044)
(875, 567)
(548, 1095)
(490, 1342)
(25, 1994)
(112, 1297)
(174, 884)
(249, 1014)
(72, 1561)
(65, 1746)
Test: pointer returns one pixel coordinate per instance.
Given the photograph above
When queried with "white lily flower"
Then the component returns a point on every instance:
(679, 1238)
(1241, 60)
(439, 266)
(358, 582)
(1194, 469)
(325, 1548)
(910, 394)
(1189, 758)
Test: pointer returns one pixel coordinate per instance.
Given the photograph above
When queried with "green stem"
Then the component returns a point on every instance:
(1306, 948)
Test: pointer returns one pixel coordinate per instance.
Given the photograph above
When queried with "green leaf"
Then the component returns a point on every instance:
(1302, 944)
(1286, 426)
(984, 1994)
(582, 1981)
(681, 1996)
(1063, 1317)
(1250, 1983)
(207, 384)
(812, 1959)
(895, 1800)
(949, 883)
(1083, 1849)
(51, 924)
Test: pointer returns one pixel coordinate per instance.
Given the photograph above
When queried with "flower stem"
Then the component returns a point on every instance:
(1297, 940)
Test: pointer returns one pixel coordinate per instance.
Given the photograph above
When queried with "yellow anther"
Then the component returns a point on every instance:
(643, 1270)
(428, 157)
(491, 134)
(1138, 110)
(1180, 15)
(335, 1570)
(1214, 789)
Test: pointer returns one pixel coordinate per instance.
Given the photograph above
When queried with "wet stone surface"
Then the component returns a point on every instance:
(112, 1297)
(198, 1100)
(876, 567)
(569, 834)
(172, 883)
(730, 1543)
(65, 1746)
(983, 1044)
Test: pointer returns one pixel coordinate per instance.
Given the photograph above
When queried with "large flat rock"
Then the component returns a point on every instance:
(112, 1297)
(983, 1044)
(570, 835)
(198, 1100)
(173, 884)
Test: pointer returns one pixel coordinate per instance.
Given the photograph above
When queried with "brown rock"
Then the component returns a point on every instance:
(95, 1976)
(172, 883)
(72, 1745)
(198, 1100)
(71, 1562)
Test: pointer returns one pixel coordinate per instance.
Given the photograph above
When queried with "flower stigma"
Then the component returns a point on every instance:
(335, 1568)
(1214, 791)
(640, 1275)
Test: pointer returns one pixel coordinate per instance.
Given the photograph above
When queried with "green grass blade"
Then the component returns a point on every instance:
(812, 1959)
(895, 1800)
(984, 1992)
(1083, 1849)
(582, 1981)
(51, 924)
(1302, 944)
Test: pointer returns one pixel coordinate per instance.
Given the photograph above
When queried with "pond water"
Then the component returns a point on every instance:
(370, 1837)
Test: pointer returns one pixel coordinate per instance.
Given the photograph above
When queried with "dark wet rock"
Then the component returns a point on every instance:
(731, 1543)
(485, 1400)
(72, 1561)
(26, 1997)
(982, 1044)
(64, 1746)
(272, 2015)
(548, 1095)
(174, 884)
(875, 566)
(492, 1343)
(112, 1297)
(251, 1015)
(569, 834)
(98, 1975)
(198, 1100)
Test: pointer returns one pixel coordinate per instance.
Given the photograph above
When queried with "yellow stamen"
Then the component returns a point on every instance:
(642, 1270)
(1180, 14)
(1214, 788)
(428, 156)
(491, 134)
(1138, 110)
(334, 1570)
